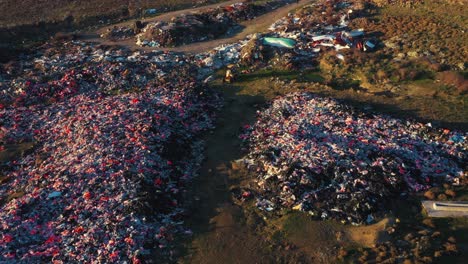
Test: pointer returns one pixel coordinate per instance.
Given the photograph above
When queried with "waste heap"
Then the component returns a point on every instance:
(183, 30)
(206, 25)
(55, 73)
(319, 156)
(106, 178)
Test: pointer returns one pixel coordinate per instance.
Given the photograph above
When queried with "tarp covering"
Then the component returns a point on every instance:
(280, 42)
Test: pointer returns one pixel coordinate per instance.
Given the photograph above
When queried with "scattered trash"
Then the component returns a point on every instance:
(54, 194)
(218, 58)
(265, 205)
(353, 33)
(310, 31)
(369, 44)
(151, 11)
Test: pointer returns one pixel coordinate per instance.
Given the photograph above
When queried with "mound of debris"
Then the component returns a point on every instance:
(58, 72)
(183, 30)
(319, 156)
(206, 25)
(106, 178)
(253, 51)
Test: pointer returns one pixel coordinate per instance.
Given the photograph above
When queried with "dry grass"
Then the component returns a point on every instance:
(454, 79)
(434, 29)
(418, 70)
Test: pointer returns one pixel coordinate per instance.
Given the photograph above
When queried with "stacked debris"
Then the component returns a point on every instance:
(184, 29)
(118, 33)
(219, 57)
(316, 155)
(210, 24)
(56, 73)
(106, 178)
(253, 51)
(294, 41)
(344, 40)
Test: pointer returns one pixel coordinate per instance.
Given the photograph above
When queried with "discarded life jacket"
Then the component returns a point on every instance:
(359, 45)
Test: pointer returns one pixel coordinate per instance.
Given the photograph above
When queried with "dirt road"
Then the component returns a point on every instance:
(257, 25)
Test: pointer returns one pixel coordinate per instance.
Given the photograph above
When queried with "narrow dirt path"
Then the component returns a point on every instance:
(219, 237)
(257, 25)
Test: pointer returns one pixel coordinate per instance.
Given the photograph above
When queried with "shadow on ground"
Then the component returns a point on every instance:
(216, 220)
